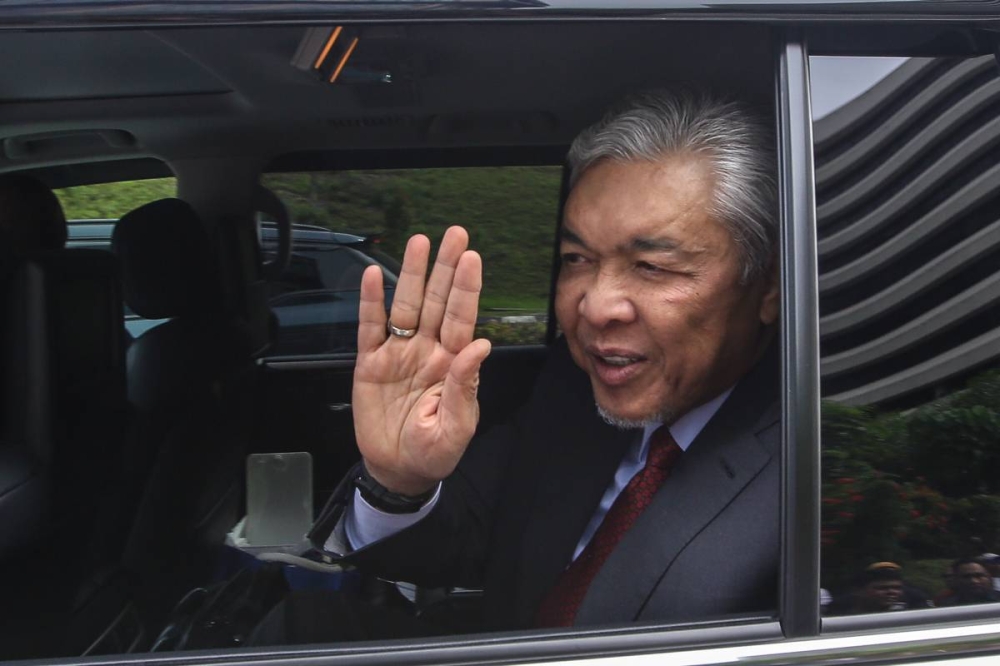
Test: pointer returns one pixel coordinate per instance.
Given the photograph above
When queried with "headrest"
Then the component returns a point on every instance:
(31, 218)
(166, 259)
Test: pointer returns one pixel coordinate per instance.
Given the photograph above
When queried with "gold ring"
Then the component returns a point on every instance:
(401, 332)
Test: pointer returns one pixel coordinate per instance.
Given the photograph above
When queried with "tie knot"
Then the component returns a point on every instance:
(663, 450)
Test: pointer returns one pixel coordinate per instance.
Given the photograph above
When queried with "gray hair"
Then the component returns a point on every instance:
(740, 148)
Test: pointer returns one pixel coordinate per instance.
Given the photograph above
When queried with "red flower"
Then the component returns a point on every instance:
(857, 498)
(842, 480)
(832, 500)
(845, 514)
(915, 513)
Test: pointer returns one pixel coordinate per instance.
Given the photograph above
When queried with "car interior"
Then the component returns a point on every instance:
(122, 458)
(167, 352)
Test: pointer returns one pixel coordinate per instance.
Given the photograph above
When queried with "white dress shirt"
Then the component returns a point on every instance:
(364, 524)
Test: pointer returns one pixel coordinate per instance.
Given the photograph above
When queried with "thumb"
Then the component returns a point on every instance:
(458, 396)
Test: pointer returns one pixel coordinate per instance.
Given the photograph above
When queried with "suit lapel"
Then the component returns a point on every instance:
(584, 453)
(721, 461)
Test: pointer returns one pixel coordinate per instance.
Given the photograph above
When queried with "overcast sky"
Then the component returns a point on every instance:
(837, 80)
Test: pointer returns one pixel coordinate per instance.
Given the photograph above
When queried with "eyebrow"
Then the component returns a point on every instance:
(656, 245)
(567, 235)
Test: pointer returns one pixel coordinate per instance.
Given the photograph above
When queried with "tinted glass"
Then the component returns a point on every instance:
(907, 189)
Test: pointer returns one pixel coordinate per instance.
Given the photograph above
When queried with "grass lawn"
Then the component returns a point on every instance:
(527, 304)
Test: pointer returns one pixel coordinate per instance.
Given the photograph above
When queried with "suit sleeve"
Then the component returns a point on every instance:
(451, 544)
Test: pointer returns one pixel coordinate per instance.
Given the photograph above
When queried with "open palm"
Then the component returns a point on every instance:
(414, 398)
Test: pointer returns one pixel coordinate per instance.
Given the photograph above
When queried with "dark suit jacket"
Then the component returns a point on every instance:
(511, 515)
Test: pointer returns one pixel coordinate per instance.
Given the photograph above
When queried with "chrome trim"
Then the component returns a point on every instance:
(966, 645)
(800, 346)
(305, 363)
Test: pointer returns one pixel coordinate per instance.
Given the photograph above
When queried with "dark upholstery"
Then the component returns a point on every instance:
(63, 455)
(23, 501)
(166, 260)
(31, 219)
(190, 381)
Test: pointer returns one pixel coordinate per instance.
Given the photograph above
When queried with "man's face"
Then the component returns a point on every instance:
(972, 581)
(649, 294)
(883, 594)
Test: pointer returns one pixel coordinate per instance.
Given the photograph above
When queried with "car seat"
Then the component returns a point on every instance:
(190, 381)
(64, 431)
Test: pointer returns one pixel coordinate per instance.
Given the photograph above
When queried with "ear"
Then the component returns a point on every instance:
(770, 302)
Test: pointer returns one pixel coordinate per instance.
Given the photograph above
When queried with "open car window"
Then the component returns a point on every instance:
(345, 221)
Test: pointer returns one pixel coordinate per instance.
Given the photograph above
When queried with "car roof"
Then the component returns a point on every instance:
(191, 93)
(145, 85)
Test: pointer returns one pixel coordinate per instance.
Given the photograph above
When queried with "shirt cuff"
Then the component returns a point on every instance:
(364, 524)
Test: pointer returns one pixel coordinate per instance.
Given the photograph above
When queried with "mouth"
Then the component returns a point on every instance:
(615, 367)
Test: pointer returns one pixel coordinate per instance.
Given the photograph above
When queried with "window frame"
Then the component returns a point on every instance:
(798, 615)
(799, 607)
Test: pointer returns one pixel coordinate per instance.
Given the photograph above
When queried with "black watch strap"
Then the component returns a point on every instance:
(384, 499)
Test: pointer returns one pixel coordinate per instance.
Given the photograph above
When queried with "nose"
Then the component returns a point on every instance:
(607, 301)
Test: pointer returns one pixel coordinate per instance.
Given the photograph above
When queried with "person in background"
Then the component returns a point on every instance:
(971, 583)
(877, 589)
(992, 563)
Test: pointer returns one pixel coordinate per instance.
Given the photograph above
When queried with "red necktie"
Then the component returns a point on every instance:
(560, 605)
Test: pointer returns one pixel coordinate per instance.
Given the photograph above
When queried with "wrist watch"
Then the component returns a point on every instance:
(383, 499)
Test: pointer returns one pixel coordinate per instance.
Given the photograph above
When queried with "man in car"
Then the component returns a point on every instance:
(667, 300)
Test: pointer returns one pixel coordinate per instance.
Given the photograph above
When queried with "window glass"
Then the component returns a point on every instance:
(345, 221)
(91, 213)
(907, 189)
(109, 201)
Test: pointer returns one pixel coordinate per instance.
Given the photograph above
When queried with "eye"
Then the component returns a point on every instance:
(651, 269)
(572, 258)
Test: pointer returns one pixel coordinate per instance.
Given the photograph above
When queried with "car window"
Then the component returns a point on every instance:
(109, 201)
(906, 195)
(179, 569)
(91, 213)
(345, 221)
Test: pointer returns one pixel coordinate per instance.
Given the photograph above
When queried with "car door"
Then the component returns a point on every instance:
(304, 400)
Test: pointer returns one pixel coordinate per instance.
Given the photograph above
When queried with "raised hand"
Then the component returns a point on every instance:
(415, 406)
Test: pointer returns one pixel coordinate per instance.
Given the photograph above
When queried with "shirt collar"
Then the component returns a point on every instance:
(687, 427)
